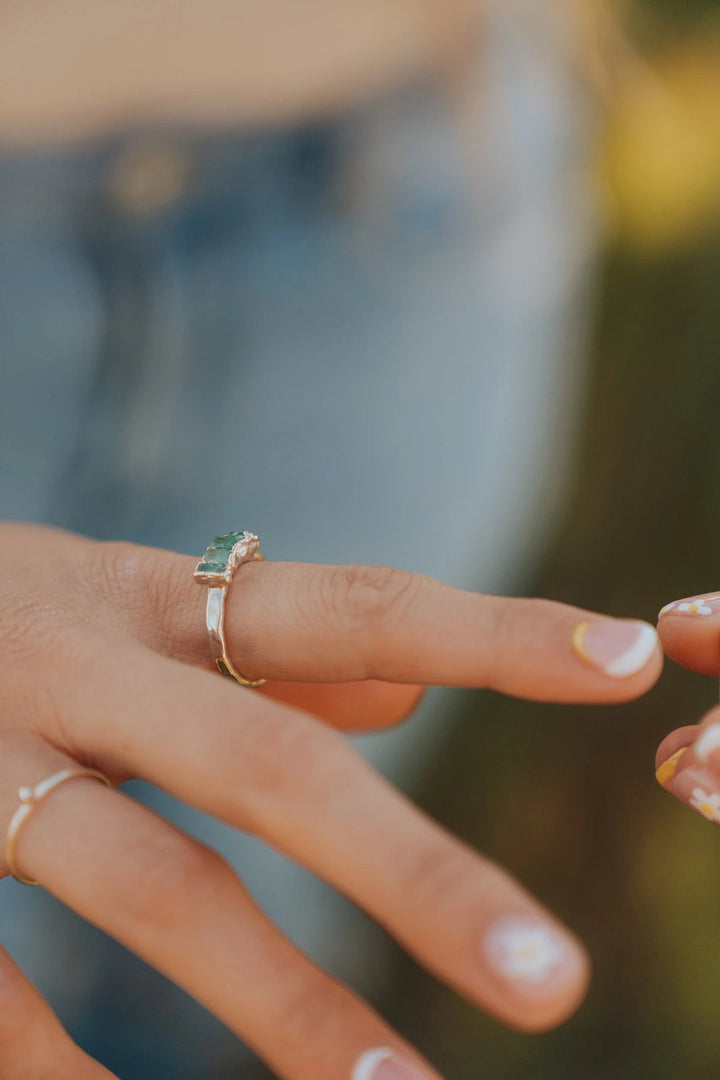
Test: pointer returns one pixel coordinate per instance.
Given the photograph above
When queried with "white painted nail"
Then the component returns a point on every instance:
(530, 953)
(708, 741)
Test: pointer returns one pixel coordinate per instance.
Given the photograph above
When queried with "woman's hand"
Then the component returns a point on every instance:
(688, 759)
(106, 664)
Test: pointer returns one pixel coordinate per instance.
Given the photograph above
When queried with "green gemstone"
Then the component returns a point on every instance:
(210, 568)
(226, 541)
(216, 554)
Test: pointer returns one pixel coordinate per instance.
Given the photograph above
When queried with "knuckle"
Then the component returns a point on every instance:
(442, 874)
(311, 1011)
(133, 580)
(116, 569)
(364, 596)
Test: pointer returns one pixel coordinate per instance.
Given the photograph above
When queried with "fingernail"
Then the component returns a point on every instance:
(694, 605)
(618, 647)
(665, 772)
(699, 789)
(384, 1064)
(531, 955)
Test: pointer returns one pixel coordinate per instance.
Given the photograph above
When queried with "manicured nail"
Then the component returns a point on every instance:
(618, 647)
(665, 772)
(694, 605)
(384, 1064)
(530, 954)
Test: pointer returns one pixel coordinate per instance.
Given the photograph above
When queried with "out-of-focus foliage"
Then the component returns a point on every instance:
(661, 154)
(565, 797)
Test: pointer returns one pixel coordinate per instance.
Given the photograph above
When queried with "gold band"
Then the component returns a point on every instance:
(223, 556)
(31, 798)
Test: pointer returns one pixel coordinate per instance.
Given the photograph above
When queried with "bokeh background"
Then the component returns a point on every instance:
(577, 303)
(565, 796)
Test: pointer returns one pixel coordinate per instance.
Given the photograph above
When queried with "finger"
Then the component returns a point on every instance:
(302, 622)
(301, 787)
(181, 908)
(676, 740)
(33, 1044)
(690, 632)
(688, 766)
(355, 706)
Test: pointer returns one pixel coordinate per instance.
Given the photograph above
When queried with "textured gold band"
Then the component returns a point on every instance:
(30, 798)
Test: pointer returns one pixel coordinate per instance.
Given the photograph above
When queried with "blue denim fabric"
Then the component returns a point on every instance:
(352, 338)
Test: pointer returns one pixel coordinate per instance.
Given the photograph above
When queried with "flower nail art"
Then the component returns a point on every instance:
(699, 605)
(525, 950)
(706, 804)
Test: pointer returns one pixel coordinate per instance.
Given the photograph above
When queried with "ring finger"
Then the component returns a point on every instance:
(180, 907)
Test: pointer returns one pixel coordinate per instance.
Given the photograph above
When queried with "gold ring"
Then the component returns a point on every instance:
(29, 799)
(223, 555)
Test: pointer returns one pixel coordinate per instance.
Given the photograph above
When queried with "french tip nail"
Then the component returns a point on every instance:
(636, 656)
(384, 1064)
(618, 647)
(665, 772)
(366, 1065)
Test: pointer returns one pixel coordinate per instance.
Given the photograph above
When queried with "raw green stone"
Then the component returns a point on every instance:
(210, 568)
(216, 554)
(226, 541)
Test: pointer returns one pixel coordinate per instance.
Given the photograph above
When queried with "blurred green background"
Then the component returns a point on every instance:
(565, 797)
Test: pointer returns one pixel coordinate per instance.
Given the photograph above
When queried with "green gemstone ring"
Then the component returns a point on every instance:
(223, 555)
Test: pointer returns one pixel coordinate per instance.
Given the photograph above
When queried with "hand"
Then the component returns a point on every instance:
(105, 663)
(688, 760)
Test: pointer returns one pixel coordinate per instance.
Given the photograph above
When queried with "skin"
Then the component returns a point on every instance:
(105, 663)
(70, 70)
(693, 641)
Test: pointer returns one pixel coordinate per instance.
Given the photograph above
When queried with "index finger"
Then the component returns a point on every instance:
(311, 623)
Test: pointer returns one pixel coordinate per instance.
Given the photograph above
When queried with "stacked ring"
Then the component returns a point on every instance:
(30, 798)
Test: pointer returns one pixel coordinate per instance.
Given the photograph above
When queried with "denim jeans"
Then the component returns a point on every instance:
(355, 337)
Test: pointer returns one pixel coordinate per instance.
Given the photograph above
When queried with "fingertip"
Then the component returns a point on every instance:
(544, 968)
(689, 632)
(626, 651)
(555, 1009)
(677, 740)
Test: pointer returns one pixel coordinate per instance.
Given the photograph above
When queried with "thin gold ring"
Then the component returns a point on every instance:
(30, 798)
(223, 556)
